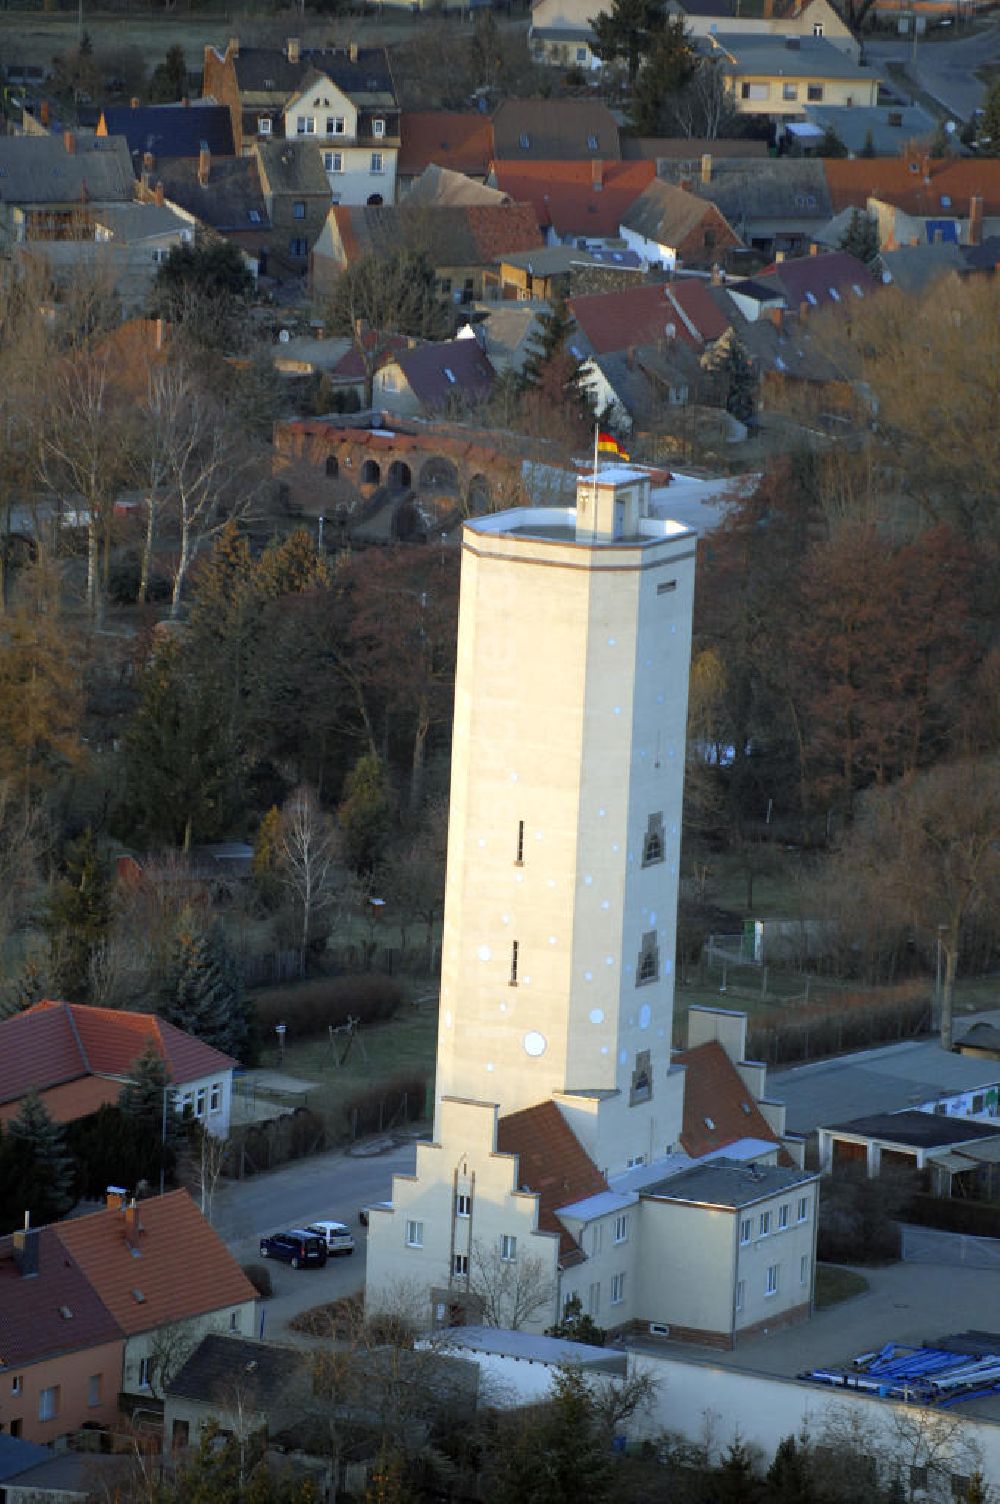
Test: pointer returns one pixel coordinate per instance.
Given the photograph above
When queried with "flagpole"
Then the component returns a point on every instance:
(597, 432)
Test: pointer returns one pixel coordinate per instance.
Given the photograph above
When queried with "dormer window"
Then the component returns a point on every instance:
(592, 142)
(378, 127)
(524, 141)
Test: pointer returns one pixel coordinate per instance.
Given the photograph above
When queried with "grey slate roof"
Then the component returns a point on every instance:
(726, 1182)
(746, 189)
(815, 57)
(441, 187)
(167, 131)
(261, 1370)
(292, 167)
(912, 267)
(229, 201)
(267, 71)
(531, 1348)
(892, 1078)
(17, 1455)
(920, 1130)
(39, 170)
(852, 124)
(665, 213)
(556, 130)
(427, 368)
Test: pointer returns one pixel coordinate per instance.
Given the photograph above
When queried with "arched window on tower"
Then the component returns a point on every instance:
(648, 968)
(653, 841)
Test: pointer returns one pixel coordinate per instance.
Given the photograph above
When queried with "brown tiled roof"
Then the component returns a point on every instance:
(466, 235)
(915, 184)
(551, 1162)
(821, 281)
(107, 1042)
(667, 214)
(70, 1100)
(450, 138)
(714, 1093)
(566, 195)
(174, 1267)
(32, 1320)
(640, 316)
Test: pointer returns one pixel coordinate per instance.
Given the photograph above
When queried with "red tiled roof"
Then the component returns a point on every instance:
(110, 1041)
(70, 1100)
(551, 1162)
(500, 229)
(563, 194)
(903, 181)
(182, 1267)
(32, 1323)
(640, 315)
(714, 1093)
(38, 1048)
(449, 138)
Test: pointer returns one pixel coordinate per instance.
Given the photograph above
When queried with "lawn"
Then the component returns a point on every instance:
(834, 1284)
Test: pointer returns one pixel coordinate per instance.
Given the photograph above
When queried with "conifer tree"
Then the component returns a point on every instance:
(201, 992)
(141, 1098)
(735, 1481)
(860, 238)
(623, 33)
(988, 139)
(364, 813)
(47, 1190)
(731, 370)
(551, 370)
(78, 917)
(667, 68)
(788, 1477)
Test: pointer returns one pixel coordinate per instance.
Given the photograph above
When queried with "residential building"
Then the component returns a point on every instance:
(52, 184)
(773, 206)
(235, 1383)
(443, 187)
(463, 244)
(297, 199)
(167, 130)
(918, 184)
(824, 280)
(428, 379)
(886, 130)
(165, 1276)
(777, 76)
(557, 1161)
(575, 201)
(554, 130)
(956, 1152)
(340, 99)
(77, 1058)
(668, 226)
(460, 140)
(557, 271)
(62, 1349)
(631, 388)
(506, 331)
(673, 312)
(224, 196)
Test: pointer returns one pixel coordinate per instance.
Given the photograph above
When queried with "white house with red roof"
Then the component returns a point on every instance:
(78, 1058)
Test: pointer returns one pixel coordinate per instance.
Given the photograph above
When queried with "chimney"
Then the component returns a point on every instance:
(161, 333)
(133, 1222)
(976, 219)
(597, 174)
(352, 52)
(706, 167)
(158, 194)
(43, 112)
(925, 166)
(768, 9)
(25, 1242)
(148, 161)
(718, 275)
(813, 249)
(204, 164)
(116, 1198)
(69, 141)
(186, 102)
(803, 311)
(686, 184)
(293, 50)
(233, 48)
(777, 317)
(779, 257)
(133, 103)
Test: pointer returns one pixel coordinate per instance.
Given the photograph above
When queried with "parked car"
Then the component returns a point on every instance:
(336, 1235)
(299, 1247)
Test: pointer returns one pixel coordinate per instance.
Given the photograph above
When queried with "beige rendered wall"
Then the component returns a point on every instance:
(784, 1248)
(687, 1255)
(463, 1159)
(571, 700)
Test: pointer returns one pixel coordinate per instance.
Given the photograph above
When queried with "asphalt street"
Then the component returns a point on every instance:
(944, 68)
(333, 1186)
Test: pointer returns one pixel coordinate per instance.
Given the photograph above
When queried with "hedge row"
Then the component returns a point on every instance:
(853, 1022)
(310, 1008)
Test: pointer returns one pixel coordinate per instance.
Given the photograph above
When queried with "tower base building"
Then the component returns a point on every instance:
(577, 1161)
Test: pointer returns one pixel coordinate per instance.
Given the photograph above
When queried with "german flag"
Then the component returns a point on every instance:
(608, 444)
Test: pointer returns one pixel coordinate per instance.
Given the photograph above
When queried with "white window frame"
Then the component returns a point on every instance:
(48, 1403)
(463, 1204)
(746, 1230)
(594, 1298)
(804, 1269)
(145, 1372)
(263, 125)
(414, 1234)
(783, 1216)
(764, 1225)
(621, 1228)
(333, 161)
(508, 1248)
(815, 93)
(803, 1209)
(215, 1097)
(771, 1280)
(461, 1267)
(16, 1383)
(377, 163)
(378, 127)
(199, 1102)
(741, 1295)
(755, 91)
(789, 92)
(618, 1288)
(305, 125)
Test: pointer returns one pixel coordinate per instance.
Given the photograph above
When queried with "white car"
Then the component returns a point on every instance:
(336, 1235)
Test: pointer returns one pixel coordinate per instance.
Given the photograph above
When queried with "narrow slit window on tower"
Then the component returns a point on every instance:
(642, 1079)
(648, 969)
(513, 963)
(519, 859)
(666, 587)
(653, 841)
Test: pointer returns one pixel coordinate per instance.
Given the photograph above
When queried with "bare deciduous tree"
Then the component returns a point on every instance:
(308, 853)
(509, 1291)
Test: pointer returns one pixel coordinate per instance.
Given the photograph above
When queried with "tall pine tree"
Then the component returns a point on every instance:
(201, 992)
(78, 917)
(552, 373)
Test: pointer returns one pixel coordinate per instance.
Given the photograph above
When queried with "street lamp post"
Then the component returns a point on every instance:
(280, 1030)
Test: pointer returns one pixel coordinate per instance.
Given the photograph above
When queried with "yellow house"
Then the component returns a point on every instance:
(780, 76)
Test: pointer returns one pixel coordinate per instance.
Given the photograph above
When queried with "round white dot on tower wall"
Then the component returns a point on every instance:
(609, 960)
(604, 1049)
(489, 1065)
(588, 879)
(611, 642)
(484, 953)
(605, 903)
(623, 1057)
(596, 1015)
(447, 1019)
(588, 976)
(519, 877)
(552, 939)
(505, 919)
(534, 1043)
(618, 710)
(645, 1014)
(513, 777)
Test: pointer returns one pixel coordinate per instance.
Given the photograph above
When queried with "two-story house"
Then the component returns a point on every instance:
(339, 99)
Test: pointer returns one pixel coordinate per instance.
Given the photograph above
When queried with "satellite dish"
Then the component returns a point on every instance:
(951, 127)
(284, 337)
